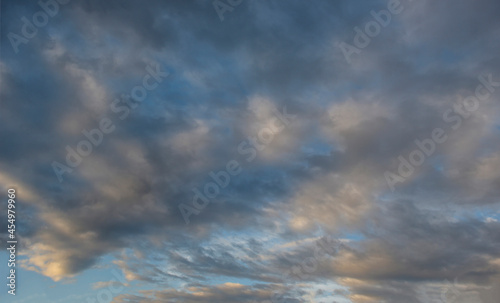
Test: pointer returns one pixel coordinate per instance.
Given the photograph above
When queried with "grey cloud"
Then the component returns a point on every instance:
(353, 121)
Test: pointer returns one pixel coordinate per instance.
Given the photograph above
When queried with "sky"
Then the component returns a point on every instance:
(257, 151)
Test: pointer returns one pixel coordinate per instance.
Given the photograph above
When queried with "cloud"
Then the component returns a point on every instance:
(322, 175)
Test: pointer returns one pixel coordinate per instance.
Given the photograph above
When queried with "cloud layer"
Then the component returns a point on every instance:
(322, 174)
